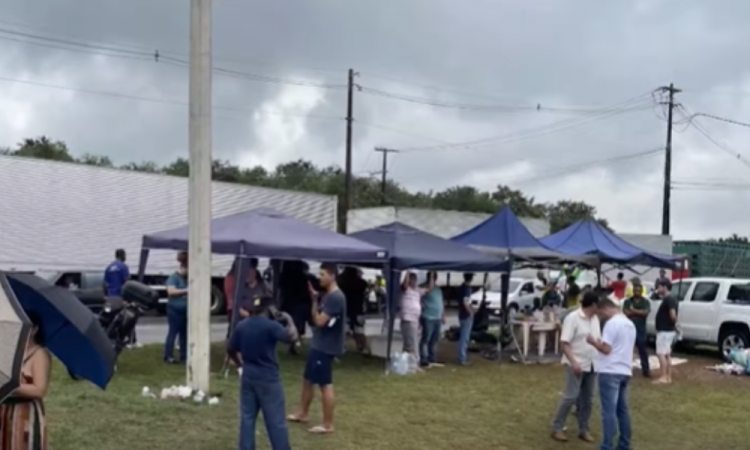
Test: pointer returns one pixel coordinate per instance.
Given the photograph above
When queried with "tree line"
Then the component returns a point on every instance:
(303, 175)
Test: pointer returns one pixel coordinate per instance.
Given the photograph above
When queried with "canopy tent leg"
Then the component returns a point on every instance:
(504, 319)
(241, 266)
(391, 302)
(142, 265)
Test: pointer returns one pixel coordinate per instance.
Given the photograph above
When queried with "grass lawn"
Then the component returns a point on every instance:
(481, 407)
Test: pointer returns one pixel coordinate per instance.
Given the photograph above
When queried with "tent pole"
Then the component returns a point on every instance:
(504, 319)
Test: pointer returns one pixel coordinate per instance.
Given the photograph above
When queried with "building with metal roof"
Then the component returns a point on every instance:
(64, 216)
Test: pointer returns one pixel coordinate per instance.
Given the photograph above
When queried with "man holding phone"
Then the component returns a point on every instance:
(328, 340)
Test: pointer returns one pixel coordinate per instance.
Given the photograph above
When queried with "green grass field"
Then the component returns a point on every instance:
(484, 406)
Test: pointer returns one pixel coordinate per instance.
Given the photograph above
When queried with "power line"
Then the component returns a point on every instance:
(573, 169)
(700, 128)
(158, 100)
(154, 56)
(638, 103)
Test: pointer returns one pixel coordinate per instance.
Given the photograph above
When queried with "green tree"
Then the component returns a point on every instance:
(95, 160)
(43, 148)
(566, 212)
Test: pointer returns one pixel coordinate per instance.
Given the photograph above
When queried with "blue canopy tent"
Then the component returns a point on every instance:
(265, 232)
(410, 248)
(589, 237)
(504, 235)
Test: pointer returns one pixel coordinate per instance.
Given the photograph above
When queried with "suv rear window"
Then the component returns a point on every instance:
(739, 292)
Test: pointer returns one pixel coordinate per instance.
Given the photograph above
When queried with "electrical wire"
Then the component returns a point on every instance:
(578, 168)
(154, 56)
(639, 103)
(713, 139)
(162, 101)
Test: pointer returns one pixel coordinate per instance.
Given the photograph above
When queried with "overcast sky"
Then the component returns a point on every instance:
(573, 58)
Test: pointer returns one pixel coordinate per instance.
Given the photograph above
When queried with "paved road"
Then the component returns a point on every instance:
(152, 330)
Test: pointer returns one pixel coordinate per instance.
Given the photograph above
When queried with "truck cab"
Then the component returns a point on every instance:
(713, 311)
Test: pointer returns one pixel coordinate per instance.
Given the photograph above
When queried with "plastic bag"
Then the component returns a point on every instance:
(404, 363)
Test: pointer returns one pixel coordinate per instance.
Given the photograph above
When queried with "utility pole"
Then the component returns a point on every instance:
(384, 173)
(199, 197)
(666, 206)
(348, 194)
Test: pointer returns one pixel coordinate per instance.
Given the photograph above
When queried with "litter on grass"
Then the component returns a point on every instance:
(180, 393)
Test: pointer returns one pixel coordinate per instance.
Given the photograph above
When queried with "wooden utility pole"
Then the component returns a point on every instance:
(666, 206)
(199, 198)
(348, 194)
(384, 173)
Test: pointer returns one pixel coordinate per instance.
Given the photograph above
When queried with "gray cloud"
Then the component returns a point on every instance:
(584, 54)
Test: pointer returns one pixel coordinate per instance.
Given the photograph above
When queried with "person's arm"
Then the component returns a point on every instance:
(286, 333)
(627, 308)
(40, 369)
(603, 345)
(643, 312)
(405, 281)
(566, 335)
(466, 301)
(333, 309)
(125, 273)
(673, 311)
(172, 290)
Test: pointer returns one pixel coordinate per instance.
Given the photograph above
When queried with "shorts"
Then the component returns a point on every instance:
(409, 331)
(319, 368)
(356, 324)
(664, 342)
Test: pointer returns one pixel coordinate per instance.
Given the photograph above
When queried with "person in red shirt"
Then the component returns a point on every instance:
(619, 286)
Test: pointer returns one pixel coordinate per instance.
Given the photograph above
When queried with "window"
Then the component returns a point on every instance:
(705, 292)
(739, 292)
(528, 288)
(93, 280)
(680, 290)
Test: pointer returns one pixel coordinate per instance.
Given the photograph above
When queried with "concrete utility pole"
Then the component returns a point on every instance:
(348, 194)
(666, 206)
(199, 204)
(384, 174)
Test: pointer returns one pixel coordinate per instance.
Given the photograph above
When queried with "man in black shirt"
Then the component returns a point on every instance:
(354, 288)
(666, 332)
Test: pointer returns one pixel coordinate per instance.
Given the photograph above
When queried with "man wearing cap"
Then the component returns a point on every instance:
(253, 346)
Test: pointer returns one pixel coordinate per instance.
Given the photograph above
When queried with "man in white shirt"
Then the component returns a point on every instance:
(614, 363)
(580, 370)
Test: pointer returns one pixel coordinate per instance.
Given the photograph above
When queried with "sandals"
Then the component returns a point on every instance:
(294, 419)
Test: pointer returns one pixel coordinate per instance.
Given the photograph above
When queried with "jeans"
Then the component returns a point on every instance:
(428, 341)
(641, 343)
(464, 337)
(613, 393)
(266, 396)
(177, 326)
(579, 391)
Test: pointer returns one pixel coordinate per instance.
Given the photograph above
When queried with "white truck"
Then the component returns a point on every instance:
(713, 311)
(521, 294)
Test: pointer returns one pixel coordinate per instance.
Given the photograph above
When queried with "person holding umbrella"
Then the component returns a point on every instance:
(22, 419)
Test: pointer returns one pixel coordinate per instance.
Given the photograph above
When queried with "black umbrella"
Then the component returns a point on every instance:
(14, 334)
(69, 330)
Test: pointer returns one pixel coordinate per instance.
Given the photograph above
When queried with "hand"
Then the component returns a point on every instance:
(576, 369)
(442, 320)
(313, 292)
(591, 339)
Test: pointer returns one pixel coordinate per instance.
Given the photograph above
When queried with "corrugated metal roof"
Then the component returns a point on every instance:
(445, 224)
(57, 215)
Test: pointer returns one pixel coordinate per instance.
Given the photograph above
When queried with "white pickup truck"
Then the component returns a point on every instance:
(521, 294)
(714, 311)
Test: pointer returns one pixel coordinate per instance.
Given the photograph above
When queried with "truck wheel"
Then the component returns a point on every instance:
(733, 337)
(218, 303)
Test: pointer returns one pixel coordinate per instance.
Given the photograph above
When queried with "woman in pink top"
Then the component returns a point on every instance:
(411, 310)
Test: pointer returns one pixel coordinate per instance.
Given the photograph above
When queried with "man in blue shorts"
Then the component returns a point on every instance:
(328, 314)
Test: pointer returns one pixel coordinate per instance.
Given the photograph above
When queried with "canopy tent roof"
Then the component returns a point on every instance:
(410, 248)
(589, 237)
(268, 233)
(504, 235)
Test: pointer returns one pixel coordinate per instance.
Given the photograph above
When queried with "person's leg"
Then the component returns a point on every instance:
(662, 350)
(360, 338)
(463, 339)
(183, 332)
(248, 416)
(328, 401)
(623, 414)
(434, 337)
(171, 335)
(569, 398)
(584, 405)
(641, 344)
(299, 317)
(272, 403)
(609, 388)
(307, 394)
(321, 374)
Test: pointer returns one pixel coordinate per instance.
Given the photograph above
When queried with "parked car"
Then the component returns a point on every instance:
(713, 311)
(91, 284)
(521, 295)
